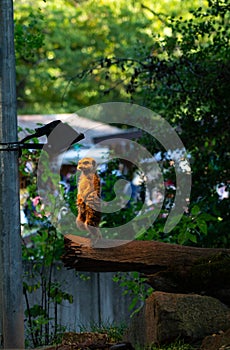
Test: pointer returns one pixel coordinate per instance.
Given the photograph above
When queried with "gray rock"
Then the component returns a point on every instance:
(166, 317)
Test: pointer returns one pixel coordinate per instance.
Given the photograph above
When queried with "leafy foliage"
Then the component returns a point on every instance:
(177, 66)
(42, 249)
(41, 258)
(53, 65)
(185, 78)
(134, 285)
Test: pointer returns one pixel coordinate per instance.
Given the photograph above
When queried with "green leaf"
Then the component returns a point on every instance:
(202, 226)
(207, 217)
(140, 234)
(195, 210)
(133, 303)
(182, 237)
(193, 238)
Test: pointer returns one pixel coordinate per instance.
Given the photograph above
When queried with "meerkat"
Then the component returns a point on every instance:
(88, 198)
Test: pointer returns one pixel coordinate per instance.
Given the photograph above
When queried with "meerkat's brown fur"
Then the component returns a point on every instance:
(88, 197)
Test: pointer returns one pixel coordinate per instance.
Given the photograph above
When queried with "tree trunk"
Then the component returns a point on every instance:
(167, 267)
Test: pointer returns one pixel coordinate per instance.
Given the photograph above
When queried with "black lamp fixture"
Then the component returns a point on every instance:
(60, 137)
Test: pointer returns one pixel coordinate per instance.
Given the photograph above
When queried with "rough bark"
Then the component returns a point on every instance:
(168, 267)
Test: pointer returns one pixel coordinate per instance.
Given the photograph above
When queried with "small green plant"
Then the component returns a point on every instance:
(135, 286)
(41, 259)
(41, 253)
(114, 331)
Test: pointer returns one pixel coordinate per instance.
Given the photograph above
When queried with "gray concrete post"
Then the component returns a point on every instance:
(11, 295)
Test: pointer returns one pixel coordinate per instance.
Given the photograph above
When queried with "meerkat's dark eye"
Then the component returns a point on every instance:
(86, 162)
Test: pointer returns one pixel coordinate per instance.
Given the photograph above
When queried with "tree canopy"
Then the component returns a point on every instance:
(57, 41)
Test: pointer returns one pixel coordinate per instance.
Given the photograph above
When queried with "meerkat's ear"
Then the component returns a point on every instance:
(94, 163)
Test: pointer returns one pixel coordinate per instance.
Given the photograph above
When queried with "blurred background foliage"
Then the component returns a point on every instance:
(56, 41)
(171, 56)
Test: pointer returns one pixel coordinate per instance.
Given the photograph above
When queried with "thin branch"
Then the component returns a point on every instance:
(158, 15)
(29, 316)
(104, 63)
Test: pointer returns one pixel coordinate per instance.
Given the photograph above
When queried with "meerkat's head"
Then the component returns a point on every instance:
(87, 165)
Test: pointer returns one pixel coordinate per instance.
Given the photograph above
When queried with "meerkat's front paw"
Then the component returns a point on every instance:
(93, 230)
(80, 224)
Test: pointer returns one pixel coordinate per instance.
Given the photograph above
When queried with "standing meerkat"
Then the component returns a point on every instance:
(88, 198)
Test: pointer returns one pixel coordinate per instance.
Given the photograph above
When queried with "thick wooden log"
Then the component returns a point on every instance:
(143, 256)
(167, 267)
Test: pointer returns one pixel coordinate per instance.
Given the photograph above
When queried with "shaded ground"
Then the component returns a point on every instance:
(88, 340)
